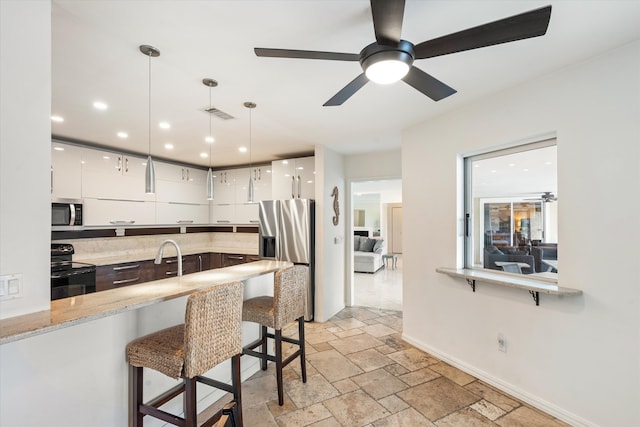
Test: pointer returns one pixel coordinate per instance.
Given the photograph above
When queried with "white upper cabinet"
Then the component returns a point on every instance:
(293, 178)
(224, 189)
(107, 175)
(261, 176)
(179, 184)
(66, 171)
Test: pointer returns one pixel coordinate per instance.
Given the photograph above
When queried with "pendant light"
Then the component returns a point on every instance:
(210, 83)
(150, 173)
(250, 106)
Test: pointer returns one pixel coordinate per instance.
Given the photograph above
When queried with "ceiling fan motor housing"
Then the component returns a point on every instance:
(375, 52)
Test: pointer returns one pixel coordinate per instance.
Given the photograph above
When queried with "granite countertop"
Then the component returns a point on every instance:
(84, 308)
(169, 252)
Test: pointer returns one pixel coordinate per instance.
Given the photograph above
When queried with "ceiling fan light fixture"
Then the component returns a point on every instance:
(387, 67)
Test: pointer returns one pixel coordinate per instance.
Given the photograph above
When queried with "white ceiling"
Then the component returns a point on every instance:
(95, 56)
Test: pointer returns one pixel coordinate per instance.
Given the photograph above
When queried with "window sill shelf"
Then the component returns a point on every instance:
(535, 287)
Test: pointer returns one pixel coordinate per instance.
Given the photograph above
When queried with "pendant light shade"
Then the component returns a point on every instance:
(150, 177)
(210, 184)
(250, 106)
(150, 173)
(210, 83)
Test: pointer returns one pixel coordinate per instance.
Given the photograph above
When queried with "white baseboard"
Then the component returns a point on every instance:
(504, 386)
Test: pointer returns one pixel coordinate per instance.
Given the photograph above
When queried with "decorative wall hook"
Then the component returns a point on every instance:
(336, 206)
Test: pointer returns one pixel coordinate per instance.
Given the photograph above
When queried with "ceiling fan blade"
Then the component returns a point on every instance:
(427, 84)
(526, 25)
(346, 92)
(306, 54)
(387, 20)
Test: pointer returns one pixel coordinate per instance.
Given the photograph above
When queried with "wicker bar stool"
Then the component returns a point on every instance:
(275, 312)
(211, 334)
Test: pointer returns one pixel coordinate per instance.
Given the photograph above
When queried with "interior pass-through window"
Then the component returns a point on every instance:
(511, 210)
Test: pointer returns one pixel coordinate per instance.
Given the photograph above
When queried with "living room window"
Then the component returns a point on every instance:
(511, 210)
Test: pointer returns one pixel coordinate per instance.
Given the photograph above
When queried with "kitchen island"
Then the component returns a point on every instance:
(69, 361)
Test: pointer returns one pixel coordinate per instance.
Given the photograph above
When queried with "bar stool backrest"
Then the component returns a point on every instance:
(213, 327)
(289, 294)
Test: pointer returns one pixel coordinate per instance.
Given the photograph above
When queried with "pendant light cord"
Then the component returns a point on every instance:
(250, 135)
(149, 104)
(210, 135)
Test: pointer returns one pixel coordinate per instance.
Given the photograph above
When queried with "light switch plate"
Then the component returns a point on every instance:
(10, 286)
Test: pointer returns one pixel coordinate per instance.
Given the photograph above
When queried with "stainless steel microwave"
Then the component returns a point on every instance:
(66, 214)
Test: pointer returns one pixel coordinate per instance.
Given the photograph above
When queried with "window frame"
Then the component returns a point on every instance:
(468, 203)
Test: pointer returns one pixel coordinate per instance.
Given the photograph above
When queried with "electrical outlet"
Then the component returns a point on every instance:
(502, 343)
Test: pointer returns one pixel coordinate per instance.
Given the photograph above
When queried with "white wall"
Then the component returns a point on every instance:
(330, 239)
(576, 357)
(25, 154)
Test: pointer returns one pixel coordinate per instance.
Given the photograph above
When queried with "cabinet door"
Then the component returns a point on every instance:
(283, 179)
(66, 171)
(107, 175)
(224, 192)
(306, 177)
(118, 212)
(261, 183)
(222, 214)
(181, 213)
(215, 260)
(241, 185)
(180, 184)
(247, 213)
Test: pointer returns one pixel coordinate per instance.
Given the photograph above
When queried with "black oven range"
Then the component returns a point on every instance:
(69, 278)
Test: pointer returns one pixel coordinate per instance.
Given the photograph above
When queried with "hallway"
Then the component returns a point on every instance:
(382, 289)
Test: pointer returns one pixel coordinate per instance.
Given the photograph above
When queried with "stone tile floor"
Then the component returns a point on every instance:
(361, 373)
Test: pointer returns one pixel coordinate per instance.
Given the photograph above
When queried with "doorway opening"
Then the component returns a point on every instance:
(377, 244)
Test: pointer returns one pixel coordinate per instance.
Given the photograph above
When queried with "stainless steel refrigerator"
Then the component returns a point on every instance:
(287, 233)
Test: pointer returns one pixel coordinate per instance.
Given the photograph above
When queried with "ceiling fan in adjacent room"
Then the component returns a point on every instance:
(546, 197)
(390, 58)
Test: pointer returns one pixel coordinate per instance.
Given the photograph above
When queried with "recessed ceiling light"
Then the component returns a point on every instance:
(204, 155)
(168, 146)
(57, 119)
(476, 165)
(268, 170)
(164, 125)
(525, 170)
(547, 163)
(209, 139)
(300, 168)
(512, 165)
(58, 148)
(309, 182)
(122, 135)
(494, 171)
(106, 157)
(242, 149)
(99, 105)
(285, 162)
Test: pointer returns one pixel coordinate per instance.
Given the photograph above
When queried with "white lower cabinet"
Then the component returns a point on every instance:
(168, 213)
(101, 212)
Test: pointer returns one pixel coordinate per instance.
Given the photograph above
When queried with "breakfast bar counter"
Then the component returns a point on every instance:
(84, 308)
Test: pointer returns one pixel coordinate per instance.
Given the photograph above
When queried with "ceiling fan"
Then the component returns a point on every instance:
(390, 58)
(546, 197)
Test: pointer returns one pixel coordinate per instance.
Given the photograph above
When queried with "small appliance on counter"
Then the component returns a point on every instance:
(69, 278)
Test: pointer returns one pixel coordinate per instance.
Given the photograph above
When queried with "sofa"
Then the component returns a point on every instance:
(544, 251)
(508, 254)
(367, 254)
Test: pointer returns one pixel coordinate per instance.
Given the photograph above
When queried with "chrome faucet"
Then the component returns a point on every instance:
(161, 250)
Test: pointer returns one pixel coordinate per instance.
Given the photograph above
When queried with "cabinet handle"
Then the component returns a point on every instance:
(170, 273)
(188, 179)
(259, 174)
(254, 174)
(235, 257)
(119, 167)
(126, 164)
(299, 186)
(122, 282)
(225, 221)
(182, 173)
(185, 221)
(254, 221)
(126, 267)
(293, 187)
(121, 222)
(173, 261)
(200, 262)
